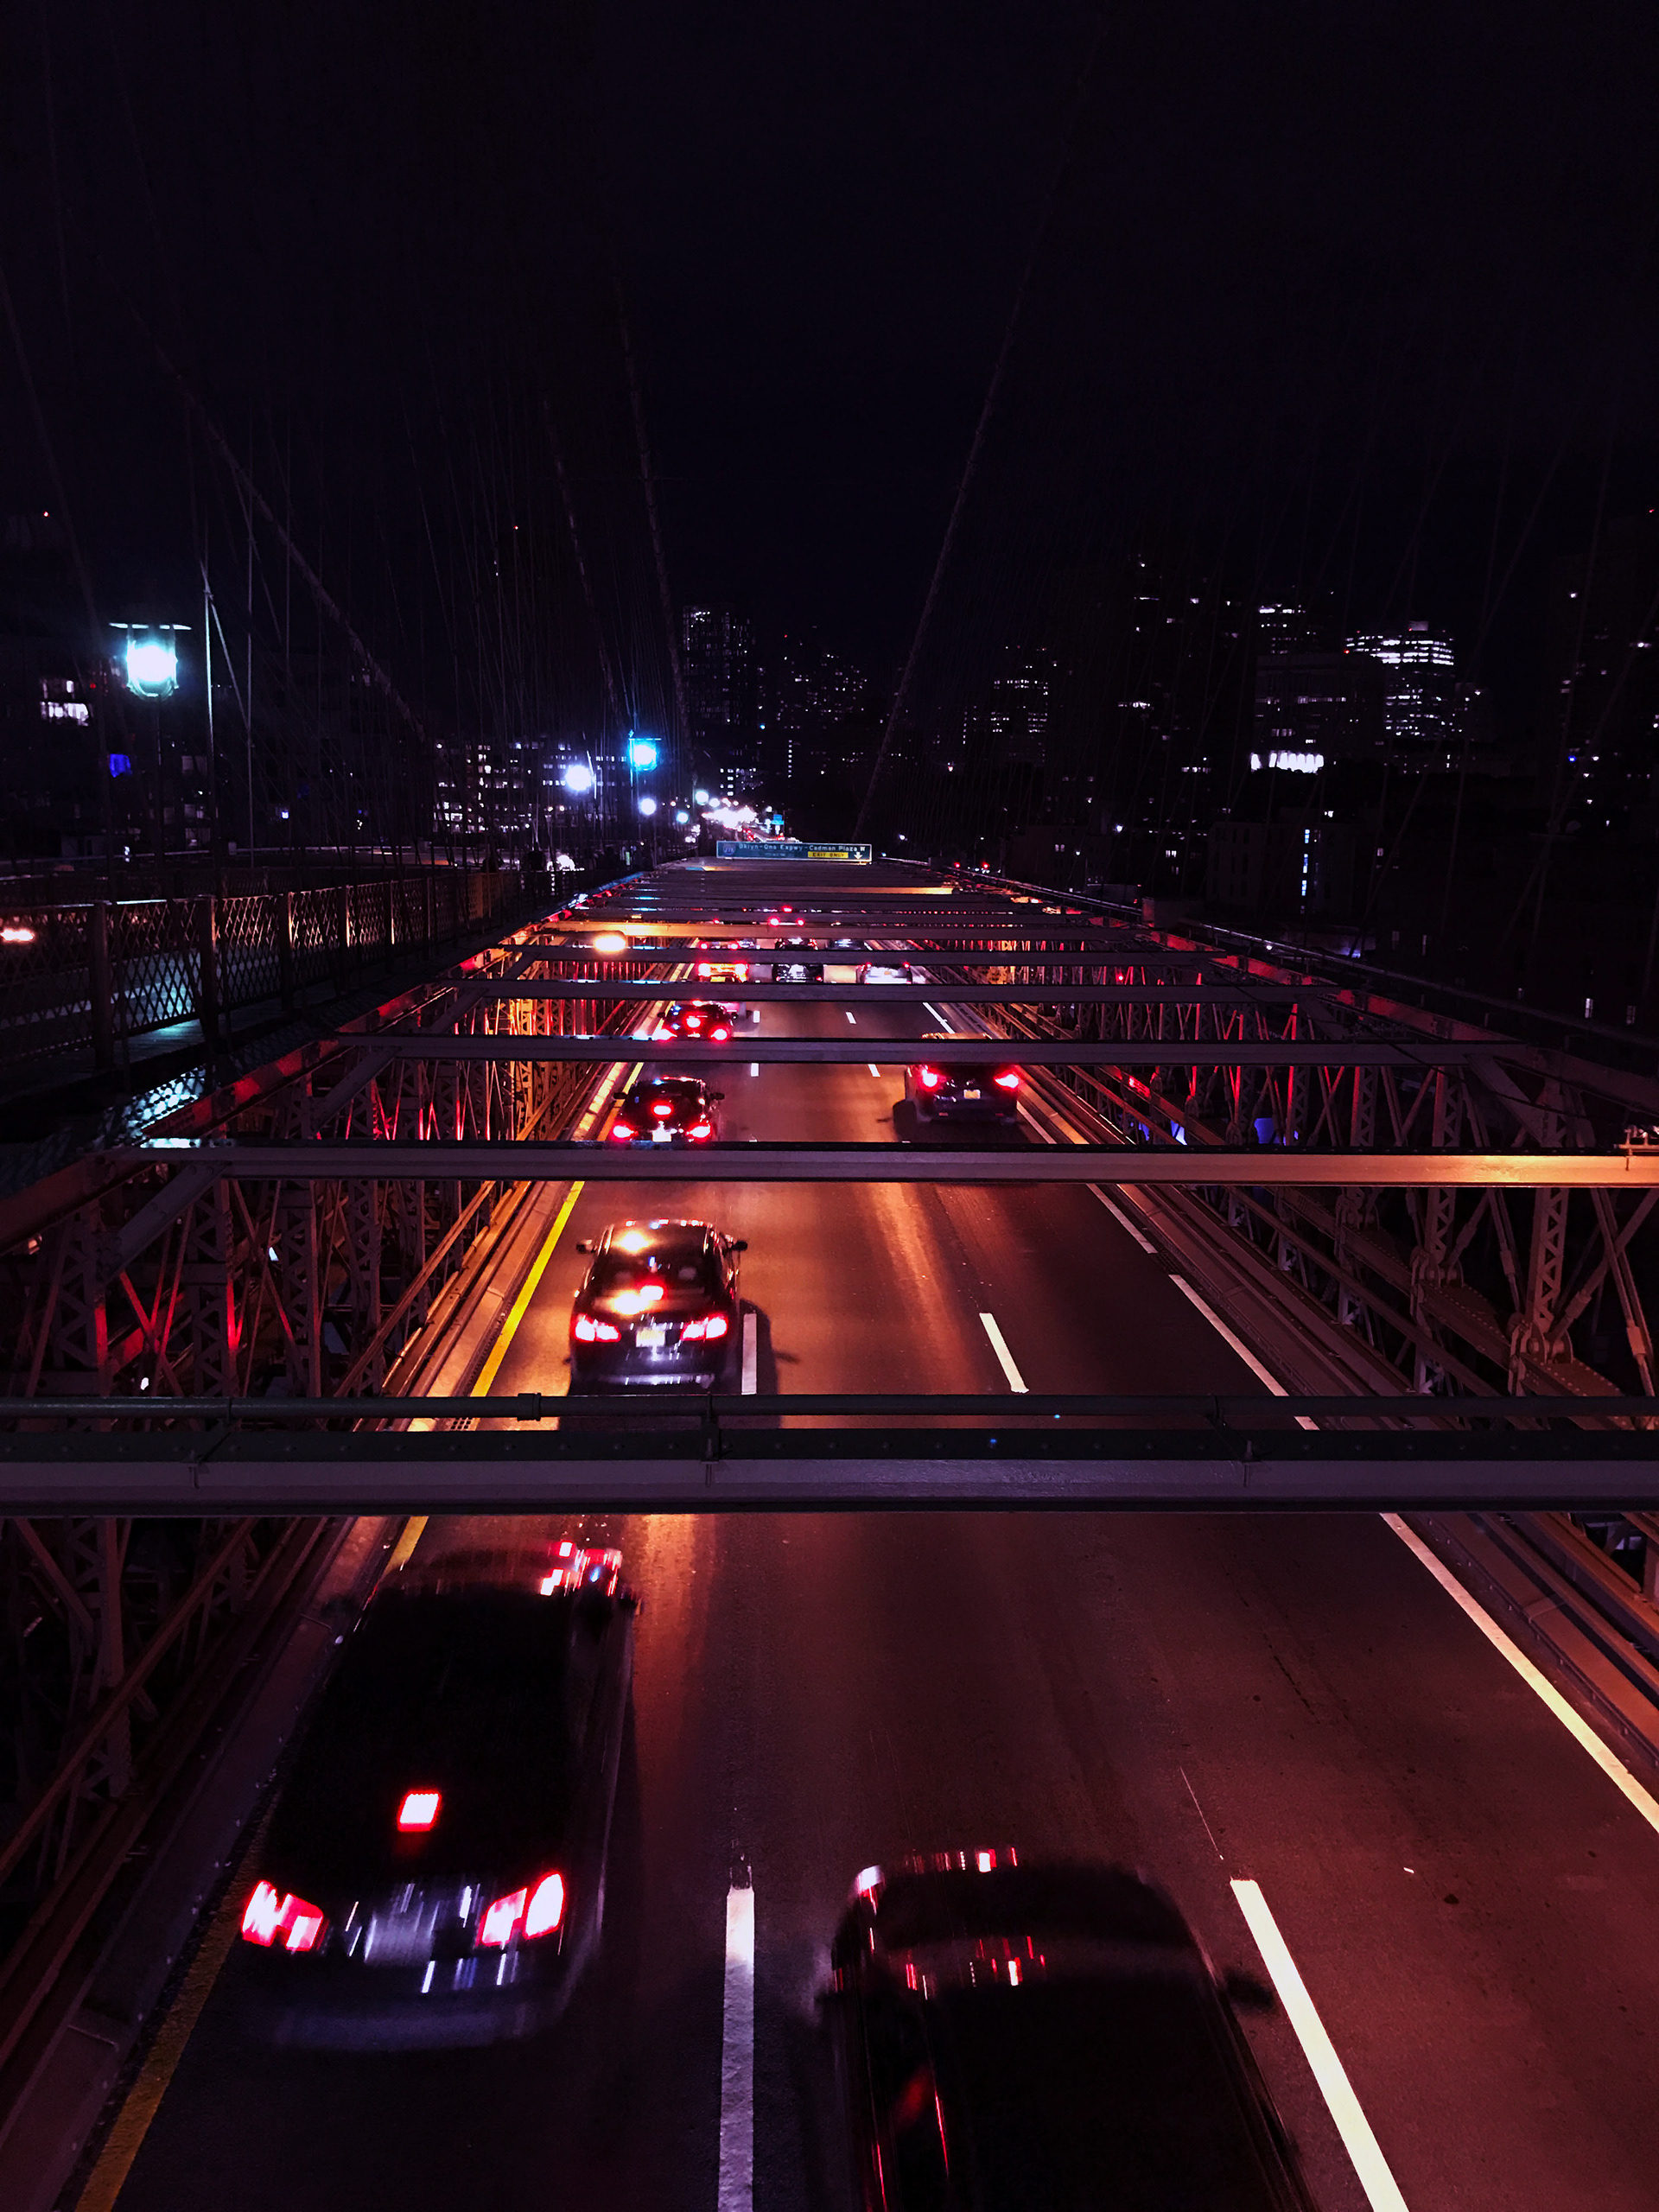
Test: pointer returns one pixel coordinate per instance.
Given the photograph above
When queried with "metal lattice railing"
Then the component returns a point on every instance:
(102, 971)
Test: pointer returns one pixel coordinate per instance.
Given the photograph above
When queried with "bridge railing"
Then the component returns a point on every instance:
(101, 972)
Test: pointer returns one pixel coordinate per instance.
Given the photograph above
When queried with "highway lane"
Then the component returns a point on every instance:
(1290, 1699)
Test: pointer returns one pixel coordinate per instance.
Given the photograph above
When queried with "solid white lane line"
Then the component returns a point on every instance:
(1375, 2178)
(1579, 1729)
(751, 1353)
(754, 1067)
(736, 2192)
(873, 1070)
(853, 1018)
(1123, 1221)
(999, 1345)
(938, 1017)
(1242, 1349)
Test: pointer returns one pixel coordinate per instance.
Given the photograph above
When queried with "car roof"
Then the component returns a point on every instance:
(656, 1236)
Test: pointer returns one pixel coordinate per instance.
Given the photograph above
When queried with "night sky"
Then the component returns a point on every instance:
(1313, 287)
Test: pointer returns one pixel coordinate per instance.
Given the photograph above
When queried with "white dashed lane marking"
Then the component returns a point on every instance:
(1375, 2178)
(735, 2190)
(1005, 1358)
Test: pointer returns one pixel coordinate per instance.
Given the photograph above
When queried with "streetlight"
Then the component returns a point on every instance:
(577, 778)
(642, 753)
(647, 806)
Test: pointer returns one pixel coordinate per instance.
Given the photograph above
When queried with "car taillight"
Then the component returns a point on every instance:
(694, 1021)
(587, 1331)
(706, 1328)
(704, 969)
(741, 970)
(622, 1131)
(701, 1129)
(1008, 1080)
(546, 1907)
(265, 1916)
(500, 1920)
(720, 1035)
(662, 1109)
(930, 1078)
(419, 1809)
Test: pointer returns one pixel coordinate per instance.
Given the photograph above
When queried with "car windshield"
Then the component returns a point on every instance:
(674, 1266)
(1066, 2092)
(478, 1692)
(683, 1096)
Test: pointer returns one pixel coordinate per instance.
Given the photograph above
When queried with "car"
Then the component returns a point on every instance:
(709, 969)
(793, 962)
(667, 1109)
(879, 971)
(434, 1871)
(941, 1089)
(698, 1020)
(657, 1306)
(1046, 2035)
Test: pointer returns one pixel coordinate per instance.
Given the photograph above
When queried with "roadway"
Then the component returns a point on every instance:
(1294, 1699)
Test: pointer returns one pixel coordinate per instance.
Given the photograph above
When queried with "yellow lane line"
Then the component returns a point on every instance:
(144, 2100)
(414, 1530)
(520, 1306)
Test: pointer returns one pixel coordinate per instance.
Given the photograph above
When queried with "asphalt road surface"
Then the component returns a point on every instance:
(1472, 1904)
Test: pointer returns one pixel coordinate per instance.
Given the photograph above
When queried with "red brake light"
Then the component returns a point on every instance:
(699, 1129)
(1008, 1080)
(419, 1809)
(694, 1021)
(500, 1920)
(708, 1329)
(587, 1331)
(662, 1109)
(622, 1131)
(265, 1916)
(546, 1907)
(930, 1078)
(704, 969)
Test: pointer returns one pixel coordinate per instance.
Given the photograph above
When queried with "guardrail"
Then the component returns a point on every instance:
(102, 971)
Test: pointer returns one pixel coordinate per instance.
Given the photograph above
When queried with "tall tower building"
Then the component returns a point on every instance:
(1421, 719)
(717, 654)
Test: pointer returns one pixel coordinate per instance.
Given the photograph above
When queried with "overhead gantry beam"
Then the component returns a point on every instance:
(491, 1470)
(1176, 1166)
(968, 1052)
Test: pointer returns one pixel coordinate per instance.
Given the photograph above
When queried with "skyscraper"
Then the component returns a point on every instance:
(717, 648)
(1421, 714)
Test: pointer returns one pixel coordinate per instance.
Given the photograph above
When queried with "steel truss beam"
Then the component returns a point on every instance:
(496, 1471)
(1178, 1168)
(879, 995)
(972, 1052)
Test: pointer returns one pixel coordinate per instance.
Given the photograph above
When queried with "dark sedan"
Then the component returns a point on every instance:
(1053, 2036)
(659, 1305)
(700, 1020)
(667, 1109)
(435, 1870)
(797, 960)
(941, 1089)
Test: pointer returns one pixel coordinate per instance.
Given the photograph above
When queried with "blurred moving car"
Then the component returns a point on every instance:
(879, 971)
(434, 1869)
(667, 1109)
(698, 1020)
(940, 1090)
(1011, 2037)
(795, 961)
(660, 1305)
